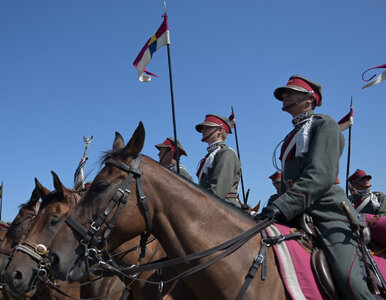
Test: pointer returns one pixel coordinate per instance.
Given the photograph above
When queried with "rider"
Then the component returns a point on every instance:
(310, 165)
(276, 182)
(365, 200)
(219, 171)
(167, 156)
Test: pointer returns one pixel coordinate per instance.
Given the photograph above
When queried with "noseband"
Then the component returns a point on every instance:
(119, 199)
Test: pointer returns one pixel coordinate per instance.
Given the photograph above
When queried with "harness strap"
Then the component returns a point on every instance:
(228, 247)
(259, 259)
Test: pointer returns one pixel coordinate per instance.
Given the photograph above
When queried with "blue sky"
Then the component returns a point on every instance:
(66, 71)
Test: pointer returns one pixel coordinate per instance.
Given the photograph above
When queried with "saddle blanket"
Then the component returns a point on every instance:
(295, 266)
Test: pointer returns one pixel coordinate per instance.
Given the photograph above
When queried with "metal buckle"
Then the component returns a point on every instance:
(41, 249)
(96, 228)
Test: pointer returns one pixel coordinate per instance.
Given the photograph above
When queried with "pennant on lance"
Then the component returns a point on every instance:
(347, 121)
(377, 80)
(159, 39)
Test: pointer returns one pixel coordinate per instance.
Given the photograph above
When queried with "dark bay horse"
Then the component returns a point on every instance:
(184, 218)
(55, 207)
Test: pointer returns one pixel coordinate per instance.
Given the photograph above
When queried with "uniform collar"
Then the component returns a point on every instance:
(214, 146)
(302, 118)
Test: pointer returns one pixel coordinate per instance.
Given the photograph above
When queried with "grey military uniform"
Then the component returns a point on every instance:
(183, 171)
(223, 176)
(272, 199)
(369, 208)
(311, 189)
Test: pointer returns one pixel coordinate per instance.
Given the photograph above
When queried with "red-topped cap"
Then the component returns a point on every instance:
(358, 175)
(275, 177)
(301, 84)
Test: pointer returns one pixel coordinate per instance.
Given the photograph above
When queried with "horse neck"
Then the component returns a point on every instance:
(186, 218)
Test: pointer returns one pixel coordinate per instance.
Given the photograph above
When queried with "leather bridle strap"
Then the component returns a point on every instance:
(119, 198)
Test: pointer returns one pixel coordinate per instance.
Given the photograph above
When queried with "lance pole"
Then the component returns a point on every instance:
(348, 151)
(245, 197)
(172, 100)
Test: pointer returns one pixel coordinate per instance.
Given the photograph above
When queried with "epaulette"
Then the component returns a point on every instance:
(319, 116)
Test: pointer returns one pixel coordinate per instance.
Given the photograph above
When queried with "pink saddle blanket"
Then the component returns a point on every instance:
(295, 264)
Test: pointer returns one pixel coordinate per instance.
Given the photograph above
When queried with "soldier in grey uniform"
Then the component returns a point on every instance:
(219, 171)
(365, 200)
(310, 164)
(167, 156)
(276, 182)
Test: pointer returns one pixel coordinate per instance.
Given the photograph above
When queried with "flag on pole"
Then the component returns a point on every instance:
(347, 121)
(232, 120)
(1, 190)
(159, 39)
(377, 80)
(78, 175)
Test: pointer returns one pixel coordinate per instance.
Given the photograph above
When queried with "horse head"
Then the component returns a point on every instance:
(19, 228)
(115, 181)
(29, 259)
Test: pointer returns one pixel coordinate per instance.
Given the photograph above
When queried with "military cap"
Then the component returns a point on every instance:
(301, 84)
(275, 177)
(358, 175)
(169, 142)
(212, 120)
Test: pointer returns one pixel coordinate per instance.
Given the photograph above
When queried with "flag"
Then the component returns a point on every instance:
(377, 80)
(347, 121)
(1, 190)
(159, 39)
(78, 175)
(232, 120)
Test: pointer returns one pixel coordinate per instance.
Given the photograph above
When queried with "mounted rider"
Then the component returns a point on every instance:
(167, 154)
(219, 171)
(310, 164)
(365, 200)
(276, 182)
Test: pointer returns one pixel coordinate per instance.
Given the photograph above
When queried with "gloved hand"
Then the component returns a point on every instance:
(272, 212)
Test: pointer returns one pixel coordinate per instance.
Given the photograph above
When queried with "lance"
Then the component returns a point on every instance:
(79, 177)
(348, 152)
(1, 198)
(172, 100)
(245, 196)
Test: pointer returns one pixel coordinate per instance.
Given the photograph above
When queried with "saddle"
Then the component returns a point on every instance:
(319, 263)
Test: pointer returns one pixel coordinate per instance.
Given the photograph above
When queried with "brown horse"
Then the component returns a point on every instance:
(54, 209)
(184, 218)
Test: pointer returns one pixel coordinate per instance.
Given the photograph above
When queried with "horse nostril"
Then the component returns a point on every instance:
(17, 277)
(54, 259)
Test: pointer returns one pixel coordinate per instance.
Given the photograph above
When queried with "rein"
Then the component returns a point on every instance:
(88, 237)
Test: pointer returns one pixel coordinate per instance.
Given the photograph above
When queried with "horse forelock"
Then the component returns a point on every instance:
(110, 154)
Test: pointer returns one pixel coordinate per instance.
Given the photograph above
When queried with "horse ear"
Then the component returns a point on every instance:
(118, 141)
(59, 187)
(34, 196)
(41, 190)
(135, 145)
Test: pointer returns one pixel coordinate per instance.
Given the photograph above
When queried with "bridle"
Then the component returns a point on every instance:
(88, 239)
(32, 213)
(39, 253)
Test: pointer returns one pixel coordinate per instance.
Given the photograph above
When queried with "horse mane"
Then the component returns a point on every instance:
(110, 154)
(210, 195)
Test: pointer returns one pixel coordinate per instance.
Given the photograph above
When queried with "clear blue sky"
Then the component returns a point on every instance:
(66, 71)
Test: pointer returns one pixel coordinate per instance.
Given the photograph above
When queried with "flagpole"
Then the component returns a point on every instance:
(245, 198)
(348, 152)
(1, 198)
(172, 100)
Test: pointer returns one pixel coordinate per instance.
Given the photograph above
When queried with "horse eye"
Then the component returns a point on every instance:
(54, 220)
(100, 187)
